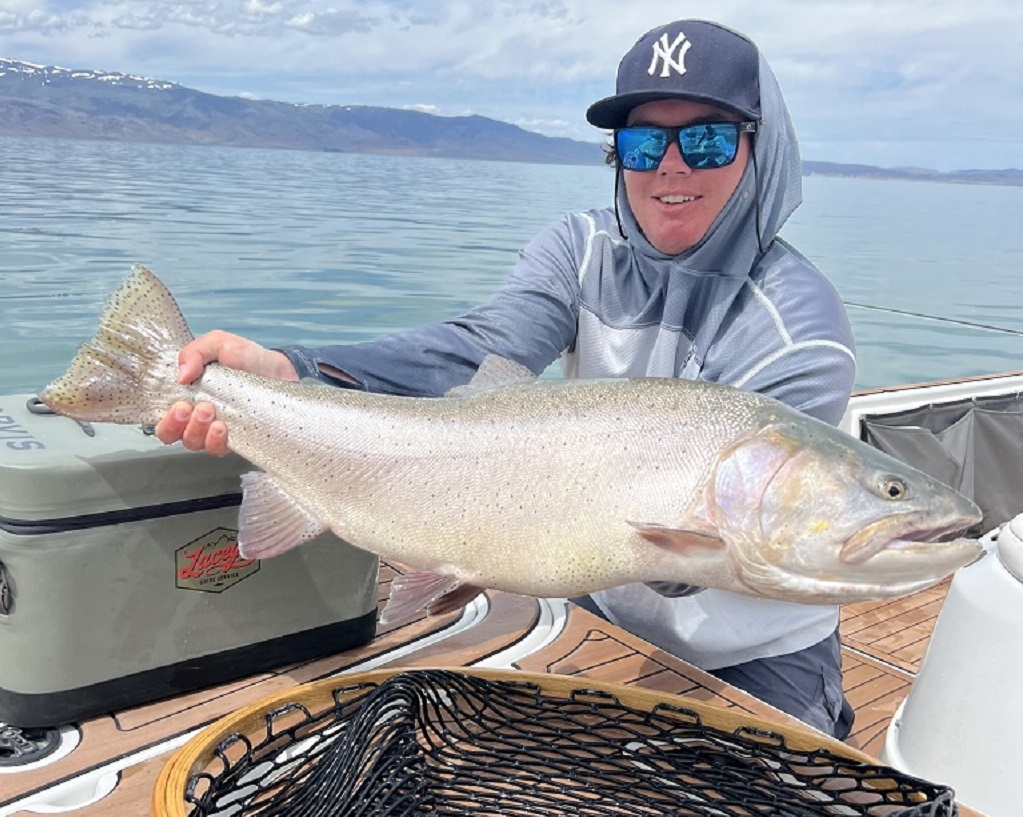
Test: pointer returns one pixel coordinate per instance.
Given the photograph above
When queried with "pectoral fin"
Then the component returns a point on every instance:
(430, 590)
(682, 541)
(270, 522)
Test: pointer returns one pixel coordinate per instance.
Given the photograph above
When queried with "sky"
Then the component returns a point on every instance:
(894, 83)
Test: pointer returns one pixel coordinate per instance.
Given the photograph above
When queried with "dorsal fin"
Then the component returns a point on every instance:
(494, 371)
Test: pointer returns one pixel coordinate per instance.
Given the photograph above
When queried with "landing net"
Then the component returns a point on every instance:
(438, 742)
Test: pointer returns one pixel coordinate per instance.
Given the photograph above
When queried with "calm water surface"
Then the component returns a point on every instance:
(300, 247)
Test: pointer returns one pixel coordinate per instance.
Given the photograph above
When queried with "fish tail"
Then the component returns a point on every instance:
(127, 373)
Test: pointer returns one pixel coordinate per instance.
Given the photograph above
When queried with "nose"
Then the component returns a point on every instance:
(672, 162)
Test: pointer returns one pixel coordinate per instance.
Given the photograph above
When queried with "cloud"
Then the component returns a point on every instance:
(909, 75)
(551, 127)
(330, 23)
(24, 15)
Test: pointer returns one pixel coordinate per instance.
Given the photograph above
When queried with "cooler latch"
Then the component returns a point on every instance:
(5, 592)
(21, 746)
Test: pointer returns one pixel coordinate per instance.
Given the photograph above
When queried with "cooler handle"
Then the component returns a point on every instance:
(37, 406)
(5, 592)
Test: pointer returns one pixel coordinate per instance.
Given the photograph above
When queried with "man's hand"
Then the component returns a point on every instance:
(197, 426)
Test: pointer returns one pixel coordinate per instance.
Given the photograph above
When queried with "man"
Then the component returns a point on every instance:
(684, 277)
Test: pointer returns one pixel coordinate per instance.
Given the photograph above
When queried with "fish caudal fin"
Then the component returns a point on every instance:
(429, 590)
(128, 372)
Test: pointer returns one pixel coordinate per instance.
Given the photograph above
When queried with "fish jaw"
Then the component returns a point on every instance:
(833, 520)
(903, 532)
(819, 589)
(901, 567)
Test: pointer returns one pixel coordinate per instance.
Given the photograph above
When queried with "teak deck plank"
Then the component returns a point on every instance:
(896, 631)
(883, 645)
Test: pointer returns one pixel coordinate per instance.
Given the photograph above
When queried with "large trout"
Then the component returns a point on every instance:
(541, 487)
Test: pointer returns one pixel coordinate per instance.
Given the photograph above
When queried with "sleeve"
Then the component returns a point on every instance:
(816, 378)
(793, 341)
(531, 320)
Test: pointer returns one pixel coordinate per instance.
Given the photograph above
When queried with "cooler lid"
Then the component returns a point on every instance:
(54, 468)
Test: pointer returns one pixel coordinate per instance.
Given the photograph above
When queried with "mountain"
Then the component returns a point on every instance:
(37, 100)
(917, 174)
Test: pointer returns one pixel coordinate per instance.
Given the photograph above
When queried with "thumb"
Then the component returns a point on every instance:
(195, 355)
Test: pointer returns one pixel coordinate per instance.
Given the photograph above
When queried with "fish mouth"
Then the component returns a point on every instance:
(904, 533)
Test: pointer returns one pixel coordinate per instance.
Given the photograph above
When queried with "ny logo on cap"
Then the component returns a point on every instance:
(663, 52)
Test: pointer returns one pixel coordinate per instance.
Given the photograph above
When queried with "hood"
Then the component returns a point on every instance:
(773, 176)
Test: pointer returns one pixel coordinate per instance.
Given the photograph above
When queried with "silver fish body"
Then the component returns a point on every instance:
(542, 487)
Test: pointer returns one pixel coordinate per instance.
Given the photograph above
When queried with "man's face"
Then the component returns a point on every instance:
(674, 204)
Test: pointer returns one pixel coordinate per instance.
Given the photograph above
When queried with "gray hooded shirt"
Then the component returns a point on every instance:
(739, 308)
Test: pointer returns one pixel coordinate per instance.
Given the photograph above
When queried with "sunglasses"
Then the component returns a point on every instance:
(705, 145)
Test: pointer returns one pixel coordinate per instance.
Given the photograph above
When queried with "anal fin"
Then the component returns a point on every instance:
(429, 590)
(454, 599)
(270, 522)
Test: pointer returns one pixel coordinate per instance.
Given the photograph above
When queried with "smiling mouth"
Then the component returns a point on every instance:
(676, 199)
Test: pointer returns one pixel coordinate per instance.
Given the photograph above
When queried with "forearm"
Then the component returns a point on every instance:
(422, 362)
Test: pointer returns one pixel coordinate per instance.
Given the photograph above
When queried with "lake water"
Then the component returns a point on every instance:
(300, 247)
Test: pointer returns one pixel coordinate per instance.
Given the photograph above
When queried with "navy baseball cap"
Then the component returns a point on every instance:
(688, 59)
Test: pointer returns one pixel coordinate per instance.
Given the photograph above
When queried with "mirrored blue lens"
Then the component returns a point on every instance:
(707, 145)
(641, 148)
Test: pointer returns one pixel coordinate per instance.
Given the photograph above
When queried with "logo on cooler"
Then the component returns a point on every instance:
(14, 436)
(212, 562)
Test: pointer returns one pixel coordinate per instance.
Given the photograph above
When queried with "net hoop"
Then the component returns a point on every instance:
(255, 719)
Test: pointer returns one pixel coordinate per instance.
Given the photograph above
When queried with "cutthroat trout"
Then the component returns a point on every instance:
(541, 487)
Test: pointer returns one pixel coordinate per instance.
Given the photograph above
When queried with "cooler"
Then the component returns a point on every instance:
(121, 582)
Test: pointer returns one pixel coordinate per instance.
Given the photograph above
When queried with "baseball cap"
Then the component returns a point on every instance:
(687, 59)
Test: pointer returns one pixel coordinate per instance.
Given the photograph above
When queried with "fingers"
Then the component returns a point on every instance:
(171, 428)
(196, 427)
(216, 439)
(194, 435)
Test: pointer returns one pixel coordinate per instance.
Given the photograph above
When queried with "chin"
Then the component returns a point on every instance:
(674, 247)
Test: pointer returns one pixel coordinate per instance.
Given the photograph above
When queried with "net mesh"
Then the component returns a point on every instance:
(437, 742)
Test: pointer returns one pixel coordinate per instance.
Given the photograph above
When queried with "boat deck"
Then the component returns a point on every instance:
(883, 644)
(125, 751)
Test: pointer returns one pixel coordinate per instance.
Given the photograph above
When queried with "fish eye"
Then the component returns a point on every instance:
(894, 488)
